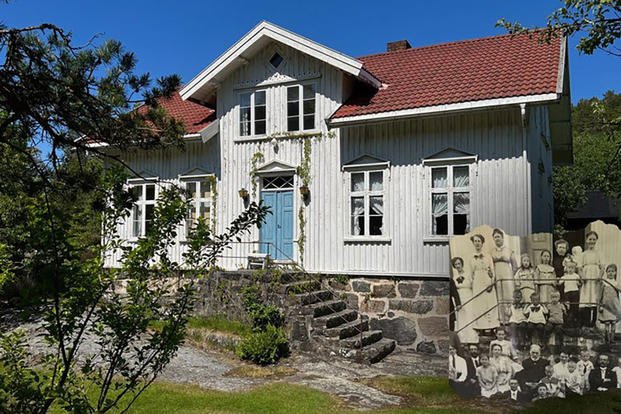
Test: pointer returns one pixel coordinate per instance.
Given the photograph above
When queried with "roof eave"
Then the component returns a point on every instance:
(441, 109)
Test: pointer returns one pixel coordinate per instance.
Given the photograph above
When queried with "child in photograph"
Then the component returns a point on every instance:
(576, 255)
(506, 347)
(570, 283)
(556, 320)
(584, 366)
(536, 317)
(591, 289)
(545, 278)
(487, 377)
(517, 321)
(609, 302)
(525, 277)
(542, 392)
(464, 315)
(574, 380)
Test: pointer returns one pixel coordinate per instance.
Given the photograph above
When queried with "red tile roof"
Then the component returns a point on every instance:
(194, 117)
(470, 70)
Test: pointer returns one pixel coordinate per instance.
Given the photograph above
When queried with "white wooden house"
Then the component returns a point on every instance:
(403, 148)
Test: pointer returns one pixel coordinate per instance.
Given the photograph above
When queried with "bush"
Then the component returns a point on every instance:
(264, 347)
(260, 314)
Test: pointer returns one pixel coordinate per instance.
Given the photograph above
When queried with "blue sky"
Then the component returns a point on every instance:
(185, 36)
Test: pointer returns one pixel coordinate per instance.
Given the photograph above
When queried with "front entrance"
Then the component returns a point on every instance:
(277, 232)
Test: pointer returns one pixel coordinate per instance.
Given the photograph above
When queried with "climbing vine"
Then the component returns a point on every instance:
(257, 159)
(214, 197)
(303, 172)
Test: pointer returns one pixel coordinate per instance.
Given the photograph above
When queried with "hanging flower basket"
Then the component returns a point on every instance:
(304, 191)
(243, 193)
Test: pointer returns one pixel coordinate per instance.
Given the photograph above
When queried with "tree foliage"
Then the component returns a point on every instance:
(597, 22)
(597, 155)
(59, 216)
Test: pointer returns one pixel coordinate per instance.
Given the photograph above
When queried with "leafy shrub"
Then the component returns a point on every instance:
(260, 314)
(265, 347)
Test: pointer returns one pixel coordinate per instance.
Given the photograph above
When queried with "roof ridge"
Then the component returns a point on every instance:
(450, 43)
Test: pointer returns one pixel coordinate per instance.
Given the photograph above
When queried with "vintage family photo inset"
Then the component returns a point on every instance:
(537, 316)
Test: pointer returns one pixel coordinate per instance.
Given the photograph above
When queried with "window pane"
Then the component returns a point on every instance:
(259, 113)
(309, 107)
(461, 213)
(461, 177)
(204, 211)
(137, 221)
(259, 127)
(309, 91)
(205, 189)
(245, 100)
(309, 121)
(438, 178)
(150, 192)
(191, 190)
(376, 215)
(357, 216)
(259, 98)
(439, 207)
(293, 93)
(376, 178)
(357, 182)
(150, 212)
(293, 124)
(293, 109)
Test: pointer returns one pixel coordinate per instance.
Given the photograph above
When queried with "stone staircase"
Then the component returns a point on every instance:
(330, 325)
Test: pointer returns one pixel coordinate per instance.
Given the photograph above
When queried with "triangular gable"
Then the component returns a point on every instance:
(449, 154)
(366, 161)
(204, 84)
(195, 172)
(275, 167)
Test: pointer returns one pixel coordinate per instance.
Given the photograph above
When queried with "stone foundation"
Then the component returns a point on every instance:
(413, 312)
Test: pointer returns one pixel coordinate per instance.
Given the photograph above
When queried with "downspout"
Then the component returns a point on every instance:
(527, 175)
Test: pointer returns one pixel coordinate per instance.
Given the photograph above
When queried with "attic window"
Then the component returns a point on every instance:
(276, 60)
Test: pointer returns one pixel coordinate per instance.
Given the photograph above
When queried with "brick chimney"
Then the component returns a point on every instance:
(398, 45)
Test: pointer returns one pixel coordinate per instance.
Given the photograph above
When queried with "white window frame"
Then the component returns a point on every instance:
(208, 201)
(450, 190)
(301, 114)
(366, 193)
(142, 204)
(253, 133)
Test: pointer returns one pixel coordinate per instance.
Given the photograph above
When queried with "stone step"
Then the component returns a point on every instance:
(324, 308)
(314, 297)
(349, 329)
(375, 352)
(335, 319)
(359, 341)
(302, 286)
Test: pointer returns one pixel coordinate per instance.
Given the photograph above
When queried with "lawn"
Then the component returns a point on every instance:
(421, 395)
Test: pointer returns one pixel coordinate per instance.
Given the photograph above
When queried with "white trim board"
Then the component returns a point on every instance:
(269, 30)
(441, 109)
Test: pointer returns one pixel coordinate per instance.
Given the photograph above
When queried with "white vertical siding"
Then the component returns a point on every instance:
(500, 178)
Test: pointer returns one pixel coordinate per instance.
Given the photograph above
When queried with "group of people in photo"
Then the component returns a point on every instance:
(495, 372)
(509, 305)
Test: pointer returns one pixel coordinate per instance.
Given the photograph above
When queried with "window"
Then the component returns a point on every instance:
(143, 209)
(367, 203)
(301, 107)
(252, 113)
(450, 199)
(199, 193)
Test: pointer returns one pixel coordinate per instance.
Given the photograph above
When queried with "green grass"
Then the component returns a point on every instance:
(421, 395)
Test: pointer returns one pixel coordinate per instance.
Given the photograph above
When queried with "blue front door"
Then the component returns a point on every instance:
(277, 232)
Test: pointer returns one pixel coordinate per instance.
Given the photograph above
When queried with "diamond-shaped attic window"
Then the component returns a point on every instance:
(276, 60)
